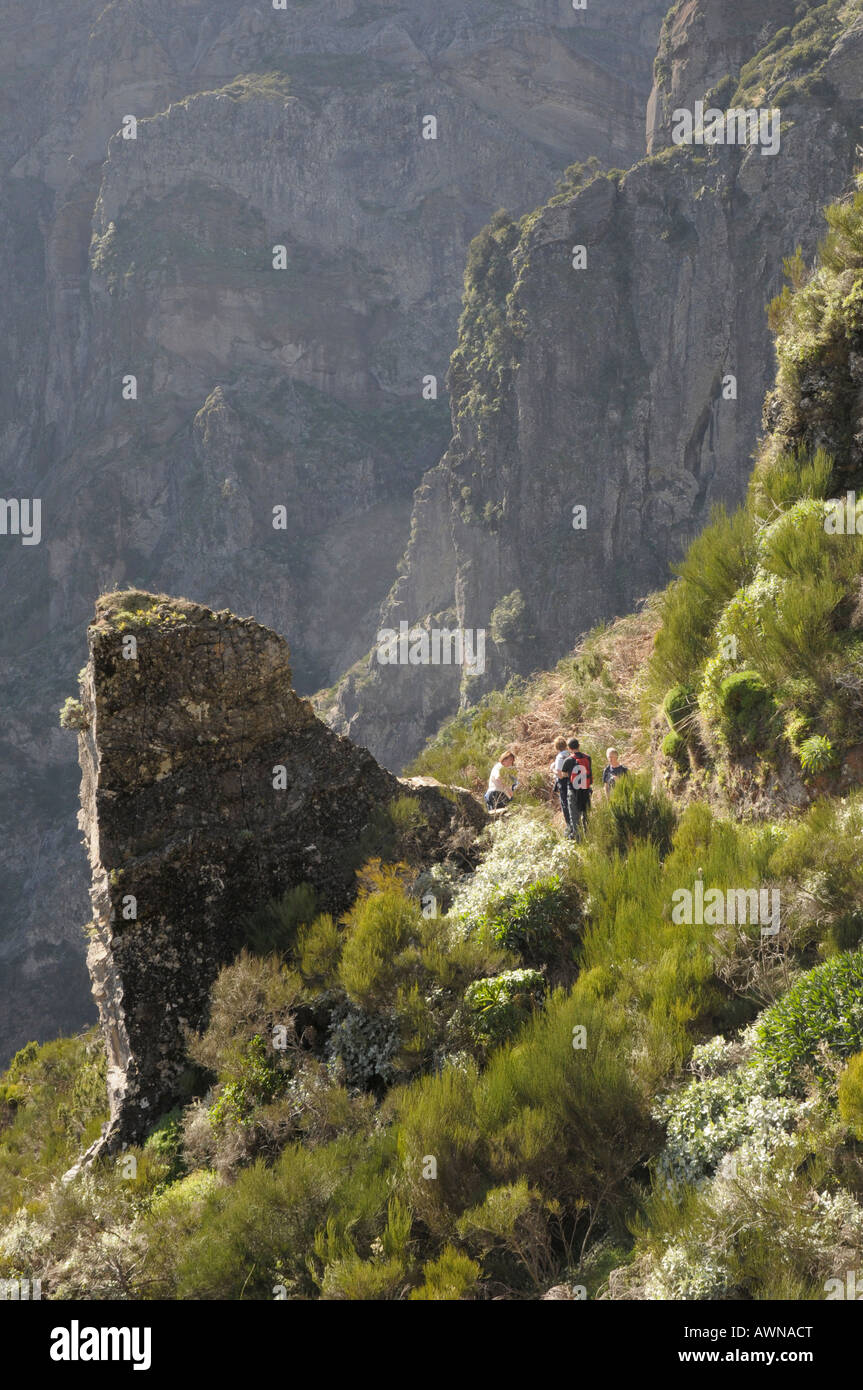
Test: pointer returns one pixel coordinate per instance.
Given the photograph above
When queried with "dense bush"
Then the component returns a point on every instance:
(821, 1014)
(851, 1094)
(539, 921)
(674, 747)
(746, 710)
(379, 926)
(678, 706)
(53, 1102)
(451, 1276)
(718, 1115)
(635, 812)
(260, 1074)
(522, 850)
(365, 1045)
(819, 859)
(274, 926)
(500, 1005)
(716, 564)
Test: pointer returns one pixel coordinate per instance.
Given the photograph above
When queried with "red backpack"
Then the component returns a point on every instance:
(581, 777)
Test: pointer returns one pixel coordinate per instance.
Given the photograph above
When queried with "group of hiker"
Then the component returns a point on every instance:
(571, 772)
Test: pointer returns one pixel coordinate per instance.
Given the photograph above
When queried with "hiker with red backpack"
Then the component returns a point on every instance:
(579, 770)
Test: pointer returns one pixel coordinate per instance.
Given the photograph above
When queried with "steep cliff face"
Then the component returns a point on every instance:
(631, 387)
(703, 46)
(208, 787)
(256, 387)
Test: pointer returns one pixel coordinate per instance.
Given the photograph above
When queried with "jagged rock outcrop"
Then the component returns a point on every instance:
(256, 387)
(632, 388)
(208, 787)
(705, 43)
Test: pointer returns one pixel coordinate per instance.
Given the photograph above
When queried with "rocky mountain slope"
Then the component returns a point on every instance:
(255, 388)
(631, 387)
(504, 1067)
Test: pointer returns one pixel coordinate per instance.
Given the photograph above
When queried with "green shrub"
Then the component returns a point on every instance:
(379, 926)
(674, 747)
(260, 1077)
(273, 927)
(819, 855)
(716, 564)
(797, 730)
(260, 1231)
(635, 812)
(822, 1011)
(165, 1143)
(508, 622)
(570, 1120)
(346, 1275)
(851, 1094)
(248, 999)
(53, 1103)
(74, 716)
(746, 710)
(678, 707)
(787, 478)
(500, 1005)
(537, 920)
(451, 1276)
(511, 1222)
(816, 754)
(318, 950)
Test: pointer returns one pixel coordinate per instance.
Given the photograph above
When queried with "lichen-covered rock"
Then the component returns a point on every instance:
(208, 787)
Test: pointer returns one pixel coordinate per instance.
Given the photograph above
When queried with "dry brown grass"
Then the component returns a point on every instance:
(625, 647)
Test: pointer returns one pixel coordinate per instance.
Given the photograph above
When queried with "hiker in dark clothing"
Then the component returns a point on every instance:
(613, 769)
(579, 771)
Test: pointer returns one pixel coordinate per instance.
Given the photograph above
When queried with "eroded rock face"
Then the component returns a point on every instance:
(704, 42)
(208, 787)
(632, 388)
(257, 127)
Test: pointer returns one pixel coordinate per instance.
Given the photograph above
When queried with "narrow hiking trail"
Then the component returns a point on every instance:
(594, 695)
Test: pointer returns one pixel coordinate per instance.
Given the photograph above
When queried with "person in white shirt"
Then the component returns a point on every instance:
(561, 782)
(502, 782)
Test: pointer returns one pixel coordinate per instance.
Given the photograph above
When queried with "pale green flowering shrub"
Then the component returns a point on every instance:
(522, 850)
(735, 1106)
(363, 1046)
(716, 1116)
(688, 1270)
